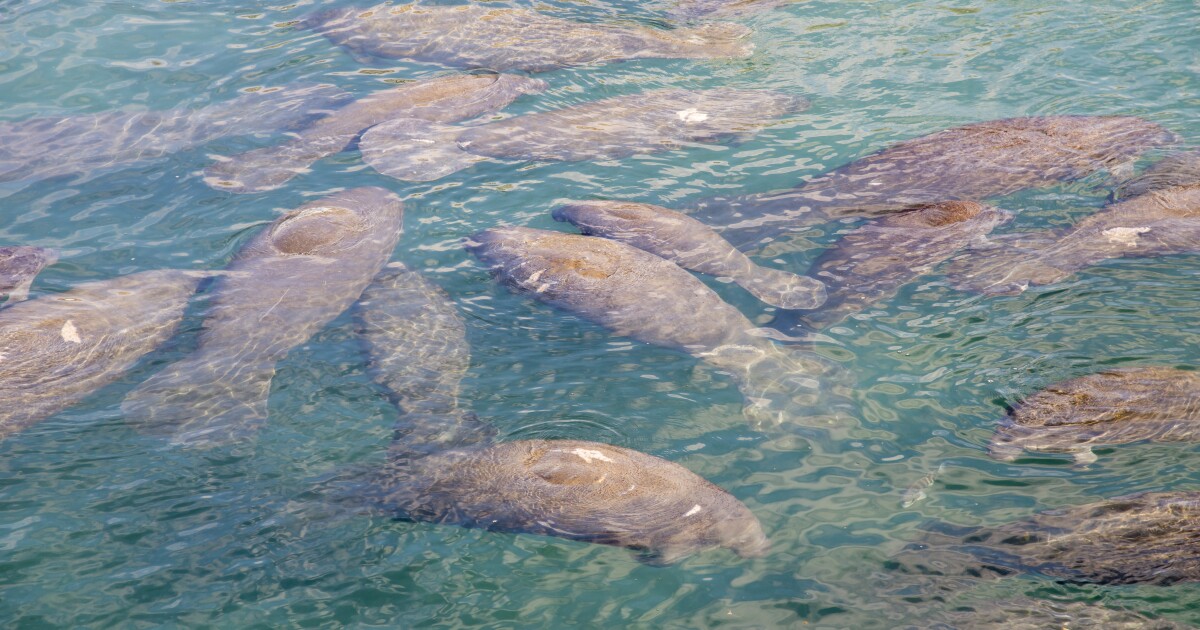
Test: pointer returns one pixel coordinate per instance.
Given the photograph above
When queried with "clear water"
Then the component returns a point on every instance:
(102, 526)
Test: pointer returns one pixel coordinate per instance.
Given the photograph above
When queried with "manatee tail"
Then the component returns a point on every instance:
(784, 385)
(271, 167)
(783, 289)
(415, 150)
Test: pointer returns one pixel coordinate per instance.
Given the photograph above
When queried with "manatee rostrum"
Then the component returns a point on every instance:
(972, 162)
(85, 145)
(873, 261)
(498, 38)
(692, 245)
(444, 99)
(1117, 406)
(1161, 222)
(637, 294)
(19, 265)
(292, 278)
(617, 127)
(57, 349)
(1178, 169)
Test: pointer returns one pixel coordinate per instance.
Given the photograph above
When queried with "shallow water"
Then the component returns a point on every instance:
(103, 526)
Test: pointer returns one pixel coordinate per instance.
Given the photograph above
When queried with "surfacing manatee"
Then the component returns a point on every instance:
(1158, 223)
(292, 278)
(692, 245)
(19, 266)
(476, 36)
(57, 349)
(88, 144)
(1119, 406)
(639, 295)
(647, 122)
(443, 99)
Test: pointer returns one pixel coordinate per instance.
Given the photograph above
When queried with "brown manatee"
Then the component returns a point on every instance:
(1117, 406)
(692, 245)
(1179, 169)
(647, 122)
(85, 145)
(637, 294)
(496, 38)
(19, 266)
(292, 278)
(443, 99)
(972, 162)
(1158, 223)
(57, 349)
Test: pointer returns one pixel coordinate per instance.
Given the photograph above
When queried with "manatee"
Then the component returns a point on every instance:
(19, 266)
(637, 294)
(647, 122)
(476, 36)
(57, 349)
(1028, 613)
(1158, 223)
(691, 9)
(1117, 406)
(692, 245)
(85, 145)
(972, 162)
(444, 99)
(1180, 169)
(291, 279)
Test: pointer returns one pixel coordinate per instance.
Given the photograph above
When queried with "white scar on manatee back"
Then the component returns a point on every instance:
(691, 115)
(695, 508)
(70, 333)
(588, 455)
(1125, 235)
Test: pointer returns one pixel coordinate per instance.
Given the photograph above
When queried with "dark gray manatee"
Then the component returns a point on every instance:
(443, 99)
(1119, 406)
(647, 122)
(972, 162)
(19, 266)
(692, 245)
(872, 262)
(291, 279)
(477, 36)
(1180, 169)
(1158, 223)
(57, 349)
(637, 294)
(40, 148)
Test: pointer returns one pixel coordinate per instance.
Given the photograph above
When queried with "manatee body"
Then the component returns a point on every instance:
(19, 266)
(1112, 407)
(444, 99)
(692, 245)
(288, 281)
(476, 36)
(647, 122)
(57, 349)
(1158, 223)
(84, 145)
(1179, 169)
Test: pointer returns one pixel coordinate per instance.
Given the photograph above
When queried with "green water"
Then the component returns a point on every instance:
(102, 526)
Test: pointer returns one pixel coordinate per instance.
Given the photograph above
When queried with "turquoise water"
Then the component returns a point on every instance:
(103, 526)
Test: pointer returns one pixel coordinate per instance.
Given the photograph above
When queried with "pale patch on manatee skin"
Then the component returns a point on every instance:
(691, 115)
(70, 333)
(588, 455)
(695, 509)
(1125, 235)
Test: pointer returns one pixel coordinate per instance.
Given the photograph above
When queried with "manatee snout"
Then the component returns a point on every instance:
(746, 539)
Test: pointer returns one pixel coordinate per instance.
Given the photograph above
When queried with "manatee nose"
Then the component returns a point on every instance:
(1004, 450)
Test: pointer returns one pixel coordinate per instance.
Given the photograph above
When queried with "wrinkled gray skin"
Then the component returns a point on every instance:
(88, 144)
(639, 295)
(19, 266)
(291, 279)
(1157, 223)
(1027, 613)
(476, 36)
(972, 162)
(444, 99)
(692, 245)
(1158, 404)
(647, 122)
(57, 349)
(872, 262)
(1180, 169)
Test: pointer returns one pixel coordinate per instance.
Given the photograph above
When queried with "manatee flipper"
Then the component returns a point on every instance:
(1084, 457)
(415, 150)
(270, 167)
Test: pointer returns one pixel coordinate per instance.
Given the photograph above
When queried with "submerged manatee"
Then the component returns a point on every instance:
(292, 278)
(1180, 169)
(475, 36)
(723, 8)
(19, 266)
(637, 294)
(1112, 407)
(57, 349)
(648, 122)
(1027, 613)
(444, 99)
(40, 148)
(692, 245)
